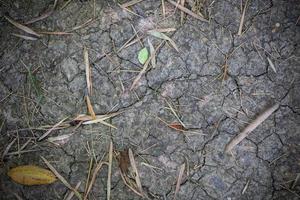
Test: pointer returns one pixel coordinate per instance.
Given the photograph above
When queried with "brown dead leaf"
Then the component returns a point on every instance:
(124, 162)
(31, 175)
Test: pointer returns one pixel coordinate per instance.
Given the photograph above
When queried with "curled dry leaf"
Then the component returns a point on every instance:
(31, 175)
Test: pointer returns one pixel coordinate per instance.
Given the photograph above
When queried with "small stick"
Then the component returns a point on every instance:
(51, 129)
(187, 11)
(242, 19)
(262, 117)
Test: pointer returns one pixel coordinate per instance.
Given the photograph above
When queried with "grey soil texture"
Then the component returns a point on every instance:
(217, 82)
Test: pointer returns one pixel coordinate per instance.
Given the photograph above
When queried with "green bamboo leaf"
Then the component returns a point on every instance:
(143, 55)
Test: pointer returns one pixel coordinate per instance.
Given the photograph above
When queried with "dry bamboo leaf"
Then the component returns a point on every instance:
(60, 140)
(87, 70)
(31, 175)
(164, 37)
(177, 126)
(110, 157)
(22, 27)
(61, 178)
(82, 117)
(179, 180)
(51, 129)
(25, 37)
(135, 170)
(124, 162)
(90, 107)
(262, 117)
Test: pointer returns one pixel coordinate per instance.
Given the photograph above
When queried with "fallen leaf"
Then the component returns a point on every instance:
(31, 175)
(143, 55)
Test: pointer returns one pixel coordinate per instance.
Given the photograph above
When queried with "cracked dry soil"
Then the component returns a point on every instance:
(263, 166)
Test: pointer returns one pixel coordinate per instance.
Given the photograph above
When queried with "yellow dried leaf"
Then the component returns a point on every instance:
(31, 175)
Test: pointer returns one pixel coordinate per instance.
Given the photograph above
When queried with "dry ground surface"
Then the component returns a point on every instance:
(216, 83)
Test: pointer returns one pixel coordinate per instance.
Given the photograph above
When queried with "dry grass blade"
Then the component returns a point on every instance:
(71, 194)
(143, 71)
(62, 179)
(55, 33)
(182, 2)
(22, 27)
(175, 114)
(87, 70)
(262, 117)
(271, 64)
(95, 172)
(83, 24)
(187, 11)
(8, 148)
(51, 129)
(163, 8)
(44, 15)
(134, 168)
(242, 19)
(165, 30)
(110, 157)
(179, 180)
(130, 3)
(101, 118)
(296, 181)
(164, 37)
(90, 107)
(25, 37)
